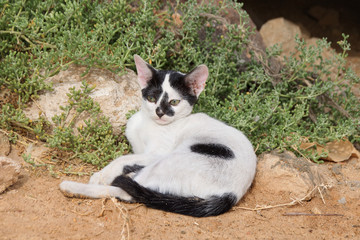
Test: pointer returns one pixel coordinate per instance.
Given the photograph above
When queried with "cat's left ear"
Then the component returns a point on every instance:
(144, 71)
(196, 79)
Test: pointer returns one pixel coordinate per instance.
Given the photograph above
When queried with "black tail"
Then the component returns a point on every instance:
(196, 207)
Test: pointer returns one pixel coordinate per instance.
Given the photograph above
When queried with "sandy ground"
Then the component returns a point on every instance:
(34, 208)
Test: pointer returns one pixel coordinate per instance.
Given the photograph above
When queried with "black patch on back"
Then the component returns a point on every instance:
(131, 168)
(213, 150)
(191, 206)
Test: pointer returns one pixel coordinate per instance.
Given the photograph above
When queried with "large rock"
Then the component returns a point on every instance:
(117, 95)
(9, 173)
(285, 175)
(283, 32)
(280, 31)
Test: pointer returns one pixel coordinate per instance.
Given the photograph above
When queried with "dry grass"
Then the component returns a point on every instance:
(124, 214)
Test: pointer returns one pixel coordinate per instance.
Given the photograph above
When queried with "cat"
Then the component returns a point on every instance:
(185, 163)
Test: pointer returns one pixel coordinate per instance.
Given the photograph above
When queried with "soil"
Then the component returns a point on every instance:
(34, 208)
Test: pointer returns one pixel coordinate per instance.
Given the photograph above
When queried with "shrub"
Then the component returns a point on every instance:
(40, 38)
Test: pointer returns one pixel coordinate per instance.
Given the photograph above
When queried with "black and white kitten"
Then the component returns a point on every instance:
(185, 163)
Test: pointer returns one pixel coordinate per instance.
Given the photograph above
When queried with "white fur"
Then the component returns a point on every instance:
(170, 166)
(93, 190)
(177, 170)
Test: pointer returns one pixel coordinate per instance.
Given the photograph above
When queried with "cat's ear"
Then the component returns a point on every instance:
(196, 79)
(144, 71)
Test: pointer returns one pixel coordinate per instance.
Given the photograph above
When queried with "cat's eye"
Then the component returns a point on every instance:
(174, 102)
(151, 99)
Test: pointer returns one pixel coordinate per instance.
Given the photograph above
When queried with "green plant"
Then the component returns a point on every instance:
(309, 102)
(311, 98)
(94, 141)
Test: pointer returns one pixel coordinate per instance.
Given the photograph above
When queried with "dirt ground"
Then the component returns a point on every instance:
(34, 208)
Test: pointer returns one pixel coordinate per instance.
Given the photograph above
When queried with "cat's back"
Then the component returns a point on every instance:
(203, 124)
(204, 128)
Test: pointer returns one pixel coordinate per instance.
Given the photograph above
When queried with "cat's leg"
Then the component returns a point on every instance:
(83, 190)
(116, 167)
(99, 184)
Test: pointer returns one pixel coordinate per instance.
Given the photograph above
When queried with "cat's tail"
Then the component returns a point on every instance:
(192, 206)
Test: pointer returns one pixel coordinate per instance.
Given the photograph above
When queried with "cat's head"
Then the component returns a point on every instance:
(169, 95)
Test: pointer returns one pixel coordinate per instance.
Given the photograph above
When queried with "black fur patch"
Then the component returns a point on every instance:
(131, 168)
(177, 81)
(191, 206)
(165, 106)
(154, 89)
(213, 150)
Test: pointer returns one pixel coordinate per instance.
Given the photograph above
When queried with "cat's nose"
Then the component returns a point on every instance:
(159, 112)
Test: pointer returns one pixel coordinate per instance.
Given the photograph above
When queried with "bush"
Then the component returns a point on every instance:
(40, 38)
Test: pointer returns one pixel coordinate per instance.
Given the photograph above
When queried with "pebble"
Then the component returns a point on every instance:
(342, 200)
(315, 210)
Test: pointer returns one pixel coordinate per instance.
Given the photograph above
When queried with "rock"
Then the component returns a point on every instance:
(284, 174)
(256, 48)
(117, 95)
(9, 173)
(280, 31)
(283, 32)
(5, 146)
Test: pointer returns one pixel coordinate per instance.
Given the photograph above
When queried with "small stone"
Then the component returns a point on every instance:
(315, 210)
(342, 200)
(336, 169)
(9, 173)
(354, 184)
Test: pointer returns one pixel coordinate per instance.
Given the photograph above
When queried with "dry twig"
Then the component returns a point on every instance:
(19, 141)
(292, 203)
(103, 208)
(124, 213)
(297, 150)
(312, 214)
